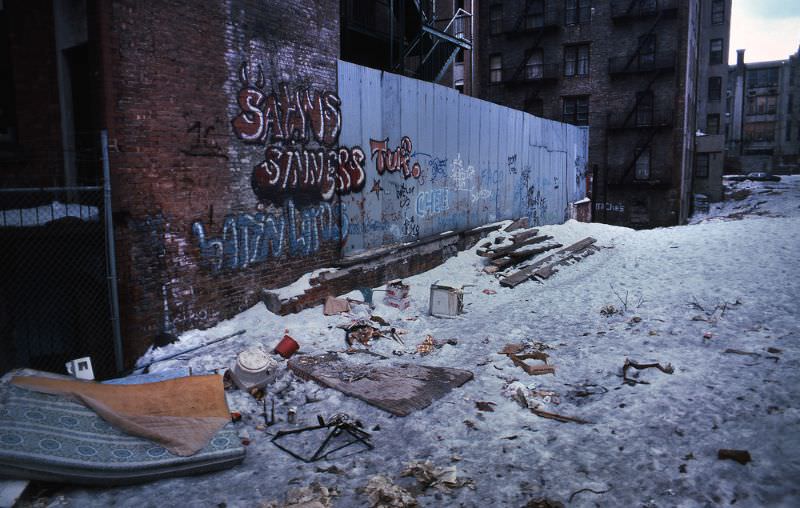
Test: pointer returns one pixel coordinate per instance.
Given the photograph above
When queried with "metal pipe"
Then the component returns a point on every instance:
(111, 253)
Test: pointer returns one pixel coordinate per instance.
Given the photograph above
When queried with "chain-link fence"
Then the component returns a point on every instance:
(55, 288)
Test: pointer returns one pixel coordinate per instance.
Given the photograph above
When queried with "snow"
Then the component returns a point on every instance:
(739, 263)
(45, 214)
(298, 287)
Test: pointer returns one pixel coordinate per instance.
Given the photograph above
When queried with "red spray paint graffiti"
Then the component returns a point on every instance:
(288, 121)
(398, 159)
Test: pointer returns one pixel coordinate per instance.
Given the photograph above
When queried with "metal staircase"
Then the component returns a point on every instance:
(436, 45)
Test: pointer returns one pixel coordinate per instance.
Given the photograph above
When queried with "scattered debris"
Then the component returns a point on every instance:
(668, 369)
(740, 456)
(334, 306)
(429, 344)
(543, 502)
(313, 496)
(144, 368)
(536, 400)
(572, 496)
(287, 347)
(740, 352)
(382, 493)
(533, 370)
(489, 292)
(485, 406)
(446, 300)
(397, 294)
(442, 478)
(609, 310)
(546, 267)
(339, 425)
(774, 350)
(80, 368)
(398, 389)
(253, 369)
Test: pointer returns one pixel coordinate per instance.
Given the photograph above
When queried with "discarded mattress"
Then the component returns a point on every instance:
(51, 438)
(180, 414)
(400, 389)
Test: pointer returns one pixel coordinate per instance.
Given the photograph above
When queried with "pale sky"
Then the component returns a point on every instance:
(766, 29)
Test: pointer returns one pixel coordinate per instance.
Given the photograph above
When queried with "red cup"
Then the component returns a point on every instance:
(287, 347)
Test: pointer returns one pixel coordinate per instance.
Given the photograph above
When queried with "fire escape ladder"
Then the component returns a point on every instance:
(433, 50)
(642, 39)
(639, 97)
(521, 67)
(632, 165)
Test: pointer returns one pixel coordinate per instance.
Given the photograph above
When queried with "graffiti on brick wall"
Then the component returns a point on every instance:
(397, 160)
(202, 140)
(286, 122)
(248, 239)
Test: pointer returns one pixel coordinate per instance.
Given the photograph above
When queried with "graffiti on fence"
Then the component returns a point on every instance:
(286, 122)
(248, 239)
(512, 164)
(432, 202)
(399, 159)
(403, 194)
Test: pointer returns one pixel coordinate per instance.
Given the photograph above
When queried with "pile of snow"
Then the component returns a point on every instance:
(41, 215)
(681, 295)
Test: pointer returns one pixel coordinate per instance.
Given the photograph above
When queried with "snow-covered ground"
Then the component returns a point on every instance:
(686, 295)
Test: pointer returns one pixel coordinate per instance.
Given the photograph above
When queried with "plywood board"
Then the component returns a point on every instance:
(398, 389)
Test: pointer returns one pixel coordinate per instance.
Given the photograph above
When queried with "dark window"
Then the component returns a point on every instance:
(534, 17)
(647, 51)
(701, 165)
(759, 131)
(762, 105)
(712, 124)
(534, 68)
(496, 68)
(496, 19)
(576, 60)
(644, 108)
(715, 55)
(762, 77)
(642, 164)
(576, 110)
(578, 11)
(717, 12)
(8, 123)
(714, 88)
(788, 130)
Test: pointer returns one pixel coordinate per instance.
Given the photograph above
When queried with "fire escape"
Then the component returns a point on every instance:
(537, 20)
(436, 43)
(643, 116)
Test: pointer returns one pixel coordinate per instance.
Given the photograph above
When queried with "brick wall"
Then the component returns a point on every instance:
(189, 225)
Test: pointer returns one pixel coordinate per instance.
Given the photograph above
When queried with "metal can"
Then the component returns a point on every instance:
(291, 415)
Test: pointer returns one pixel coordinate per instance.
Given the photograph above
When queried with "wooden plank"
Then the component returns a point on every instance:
(521, 236)
(546, 272)
(515, 258)
(502, 251)
(399, 389)
(520, 223)
(517, 278)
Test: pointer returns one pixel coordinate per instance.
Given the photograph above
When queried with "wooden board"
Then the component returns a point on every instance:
(398, 389)
(517, 278)
(514, 258)
(523, 235)
(502, 251)
(520, 223)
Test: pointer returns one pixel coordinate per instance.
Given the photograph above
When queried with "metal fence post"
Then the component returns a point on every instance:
(111, 253)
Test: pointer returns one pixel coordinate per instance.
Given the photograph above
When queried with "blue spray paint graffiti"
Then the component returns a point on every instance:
(250, 239)
(432, 202)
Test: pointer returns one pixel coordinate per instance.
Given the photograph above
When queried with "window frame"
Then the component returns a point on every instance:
(576, 58)
(495, 22)
(495, 73)
(535, 69)
(647, 59)
(706, 166)
(577, 12)
(645, 108)
(639, 155)
(579, 106)
(717, 12)
(536, 14)
(715, 55)
(716, 118)
(714, 88)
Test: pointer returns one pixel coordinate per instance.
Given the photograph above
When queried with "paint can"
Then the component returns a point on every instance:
(291, 415)
(287, 347)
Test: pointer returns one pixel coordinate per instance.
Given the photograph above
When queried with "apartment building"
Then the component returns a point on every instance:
(629, 70)
(762, 121)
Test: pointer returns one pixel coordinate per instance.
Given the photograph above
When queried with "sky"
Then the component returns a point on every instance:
(767, 29)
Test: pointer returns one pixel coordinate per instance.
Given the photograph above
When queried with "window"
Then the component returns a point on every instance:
(717, 12)
(576, 110)
(762, 77)
(534, 65)
(578, 11)
(759, 131)
(7, 107)
(788, 130)
(762, 105)
(644, 108)
(642, 171)
(496, 19)
(496, 68)
(647, 51)
(701, 165)
(715, 55)
(534, 17)
(712, 124)
(576, 60)
(715, 88)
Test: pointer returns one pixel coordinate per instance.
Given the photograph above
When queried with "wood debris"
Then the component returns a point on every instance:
(740, 456)
(545, 268)
(667, 369)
